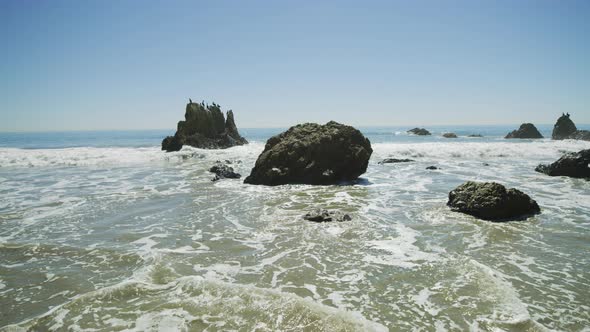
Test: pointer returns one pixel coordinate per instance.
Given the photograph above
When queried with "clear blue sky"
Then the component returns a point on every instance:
(77, 65)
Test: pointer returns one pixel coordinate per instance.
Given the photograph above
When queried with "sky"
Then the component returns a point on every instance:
(92, 65)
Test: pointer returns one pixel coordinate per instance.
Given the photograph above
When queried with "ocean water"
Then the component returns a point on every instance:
(102, 231)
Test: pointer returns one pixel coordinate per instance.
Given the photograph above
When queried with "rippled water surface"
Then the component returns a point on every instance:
(102, 236)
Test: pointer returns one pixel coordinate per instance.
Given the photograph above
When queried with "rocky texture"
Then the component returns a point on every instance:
(204, 127)
(581, 135)
(450, 135)
(394, 161)
(223, 171)
(571, 164)
(475, 135)
(526, 130)
(312, 154)
(419, 132)
(322, 215)
(563, 128)
(491, 201)
(432, 168)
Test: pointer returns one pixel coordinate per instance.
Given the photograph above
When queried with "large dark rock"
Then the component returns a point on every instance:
(322, 215)
(312, 154)
(491, 201)
(204, 127)
(419, 132)
(566, 129)
(571, 164)
(450, 135)
(526, 130)
(223, 171)
(394, 161)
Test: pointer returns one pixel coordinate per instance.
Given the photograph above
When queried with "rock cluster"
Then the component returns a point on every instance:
(204, 127)
(491, 201)
(323, 215)
(571, 164)
(566, 129)
(526, 130)
(419, 132)
(312, 154)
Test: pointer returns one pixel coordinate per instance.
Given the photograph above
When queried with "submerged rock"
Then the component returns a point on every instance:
(571, 164)
(475, 135)
(450, 135)
(204, 127)
(491, 201)
(312, 154)
(432, 168)
(419, 132)
(223, 171)
(526, 130)
(323, 215)
(394, 161)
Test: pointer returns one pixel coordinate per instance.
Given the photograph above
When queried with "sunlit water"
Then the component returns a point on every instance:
(103, 231)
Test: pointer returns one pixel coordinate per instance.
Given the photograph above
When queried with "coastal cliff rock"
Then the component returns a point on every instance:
(526, 130)
(491, 201)
(571, 164)
(204, 127)
(419, 132)
(312, 154)
(450, 135)
(566, 129)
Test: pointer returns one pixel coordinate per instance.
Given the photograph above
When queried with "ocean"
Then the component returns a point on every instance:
(103, 231)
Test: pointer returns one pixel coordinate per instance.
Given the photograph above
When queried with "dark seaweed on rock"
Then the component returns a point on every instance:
(204, 127)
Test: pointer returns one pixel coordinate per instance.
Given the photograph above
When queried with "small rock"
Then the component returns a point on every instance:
(475, 135)
(419, 132)
(432, 168)
(223, 171)
(491, 201)
(323, 215)
(526, 130)
(394, 161)
(450, 135)
(571, 164)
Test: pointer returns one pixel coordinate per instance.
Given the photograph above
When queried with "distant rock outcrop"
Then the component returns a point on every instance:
(475, 135)
(491, 201)
(526, 130)
(204, 127)
(450, 135)
(322, 215)
(566, 129)
(419, 132)
(571, 164)
(312, 154)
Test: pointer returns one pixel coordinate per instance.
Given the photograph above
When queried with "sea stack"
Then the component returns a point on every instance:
(566, 129)
(312, 154)
(526, 130)
(204, 127)
(492, 201)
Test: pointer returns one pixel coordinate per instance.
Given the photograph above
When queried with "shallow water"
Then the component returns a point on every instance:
(101, 236)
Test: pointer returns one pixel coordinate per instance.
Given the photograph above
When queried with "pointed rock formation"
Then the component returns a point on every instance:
(526, 130)
(566, 129)
(204, 127)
